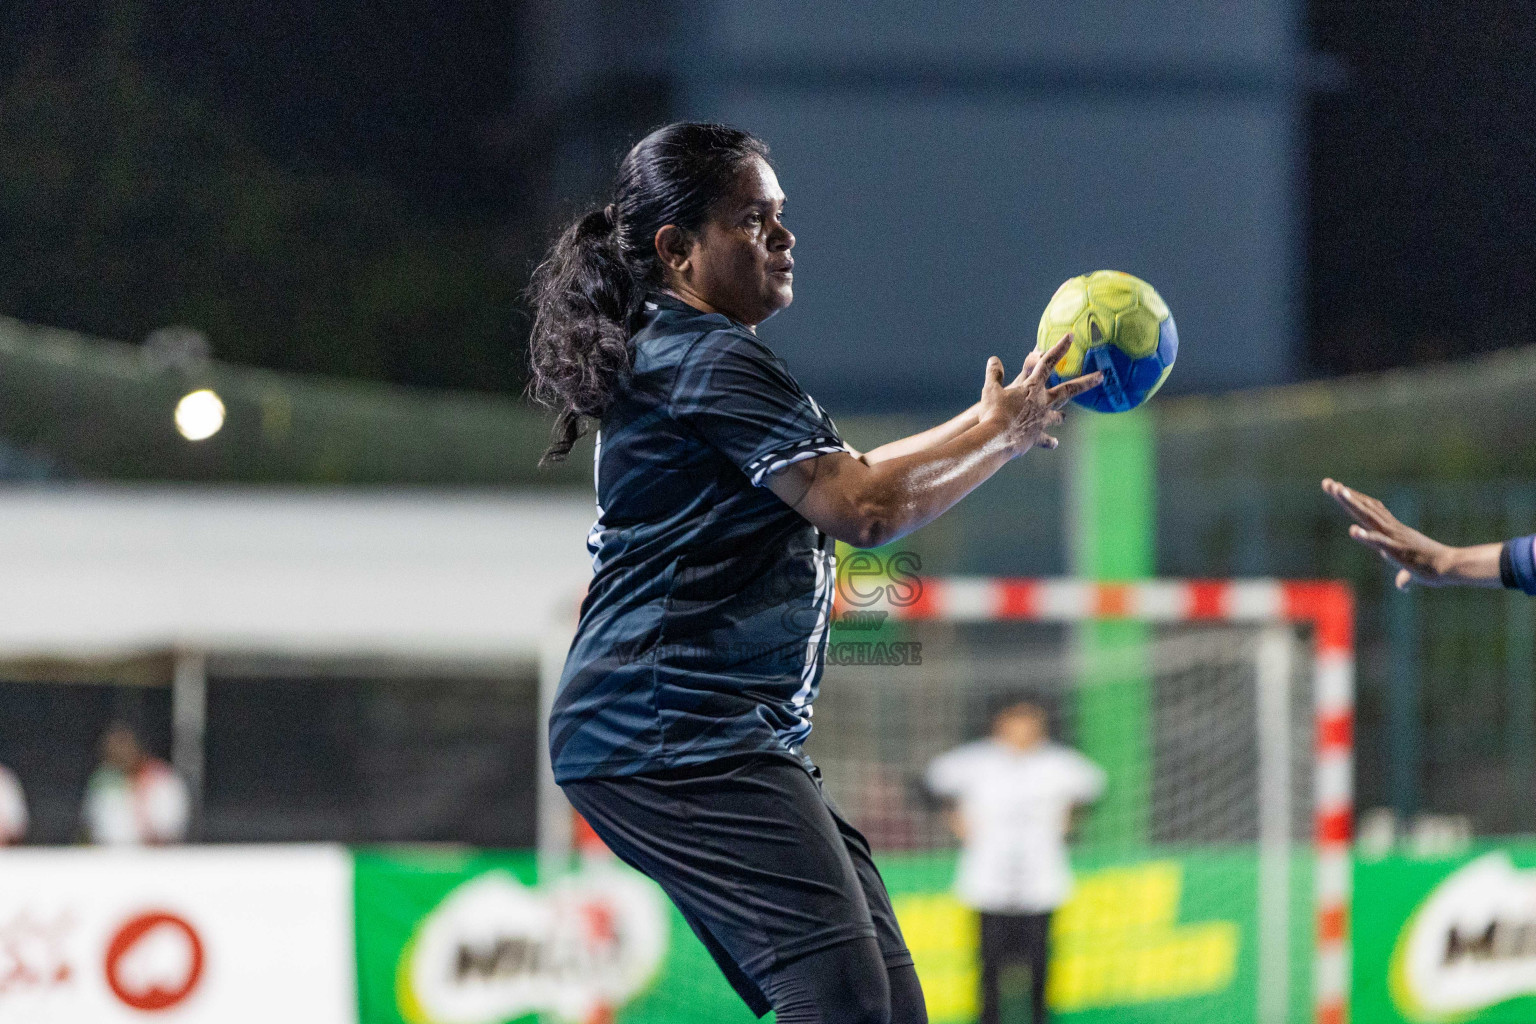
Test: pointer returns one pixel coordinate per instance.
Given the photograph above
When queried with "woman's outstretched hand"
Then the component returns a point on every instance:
(1418, 558)
(873, 502)
(1027, 408)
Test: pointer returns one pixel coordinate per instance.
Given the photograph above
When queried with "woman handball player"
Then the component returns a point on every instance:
(678, 726)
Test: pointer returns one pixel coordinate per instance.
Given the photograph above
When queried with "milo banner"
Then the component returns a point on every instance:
(1447, 939)
(473, 940)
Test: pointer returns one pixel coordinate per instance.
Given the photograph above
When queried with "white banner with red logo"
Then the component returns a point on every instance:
(227, 935)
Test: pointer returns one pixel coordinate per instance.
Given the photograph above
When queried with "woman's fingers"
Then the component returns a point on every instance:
(1041, 371)
(1067, 390)
(994, 374)
(1391, 551)
(1363, 508)
(1043, 440)
(1373, 541)
(1346, 499)
(1342, 496)
(1378, 529)
(1371, 538)
(1373, 508)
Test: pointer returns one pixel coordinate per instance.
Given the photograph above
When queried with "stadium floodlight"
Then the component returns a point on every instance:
(199, 414)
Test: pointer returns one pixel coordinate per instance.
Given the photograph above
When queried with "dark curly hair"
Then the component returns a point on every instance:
(587, 292)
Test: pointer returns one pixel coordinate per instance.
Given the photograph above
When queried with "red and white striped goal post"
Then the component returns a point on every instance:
(1327, 607)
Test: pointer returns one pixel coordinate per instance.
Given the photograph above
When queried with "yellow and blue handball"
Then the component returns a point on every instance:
(1120, 325)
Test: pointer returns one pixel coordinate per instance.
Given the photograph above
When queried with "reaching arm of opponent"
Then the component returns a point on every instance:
(868, 502)
(1422, 559)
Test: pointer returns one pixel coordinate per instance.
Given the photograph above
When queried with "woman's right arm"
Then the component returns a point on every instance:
(867, 505)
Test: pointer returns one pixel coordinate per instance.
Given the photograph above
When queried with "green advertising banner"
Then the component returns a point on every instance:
(393, 894)
(1446, 939)
(471, 939)
(1172, 940)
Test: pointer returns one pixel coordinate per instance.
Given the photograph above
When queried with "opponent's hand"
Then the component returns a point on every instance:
(1027, 408)
(1419, 558)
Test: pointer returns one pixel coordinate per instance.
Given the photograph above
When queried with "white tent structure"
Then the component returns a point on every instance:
(151, 584)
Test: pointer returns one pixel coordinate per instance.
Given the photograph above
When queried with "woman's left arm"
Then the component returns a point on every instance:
(933, 436)
(921, 442)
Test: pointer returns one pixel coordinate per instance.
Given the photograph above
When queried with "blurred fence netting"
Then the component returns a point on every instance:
(1446, 688)
(1446, 681)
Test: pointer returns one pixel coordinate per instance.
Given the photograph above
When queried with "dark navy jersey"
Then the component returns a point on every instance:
(704, 627)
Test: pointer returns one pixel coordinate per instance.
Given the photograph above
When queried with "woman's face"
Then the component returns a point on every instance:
(739, 263)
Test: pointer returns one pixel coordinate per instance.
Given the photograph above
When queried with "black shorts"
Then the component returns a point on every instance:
(759, 861)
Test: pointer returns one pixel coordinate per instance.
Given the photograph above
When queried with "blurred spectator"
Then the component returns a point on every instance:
(1014, 793)
(13, 808)
(134, 799)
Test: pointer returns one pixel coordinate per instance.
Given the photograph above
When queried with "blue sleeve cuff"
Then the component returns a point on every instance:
(1522, 563)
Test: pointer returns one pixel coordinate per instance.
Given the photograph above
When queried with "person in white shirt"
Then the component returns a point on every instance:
(13, 808)
(134, 799)
(1013, 795)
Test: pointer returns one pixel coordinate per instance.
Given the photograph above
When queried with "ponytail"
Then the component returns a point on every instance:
(584, 298)
(587, 293)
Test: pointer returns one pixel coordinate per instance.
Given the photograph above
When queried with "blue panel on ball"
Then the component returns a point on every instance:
(1117, 393)
(1167, 342)
(1145, 375)
(1127, 381)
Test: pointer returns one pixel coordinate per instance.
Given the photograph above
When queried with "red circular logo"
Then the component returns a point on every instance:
(154, 961)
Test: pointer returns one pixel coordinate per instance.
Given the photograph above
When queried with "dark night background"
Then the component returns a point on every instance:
(359, 190)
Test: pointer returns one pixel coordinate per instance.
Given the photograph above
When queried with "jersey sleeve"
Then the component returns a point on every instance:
(742, 400)
(1517, 564)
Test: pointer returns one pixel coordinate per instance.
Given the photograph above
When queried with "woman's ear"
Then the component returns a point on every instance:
(674, 248)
